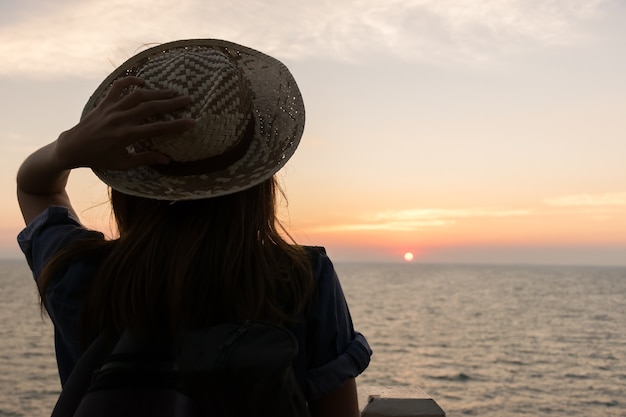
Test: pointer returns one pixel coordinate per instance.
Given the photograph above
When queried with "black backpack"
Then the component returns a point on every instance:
(230, 370)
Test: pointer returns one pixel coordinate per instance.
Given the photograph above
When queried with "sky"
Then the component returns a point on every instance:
(464, 131)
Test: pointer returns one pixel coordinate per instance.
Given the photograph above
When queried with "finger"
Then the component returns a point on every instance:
(132, 134)
(121, 84)
(139, 96)
(155, 107)
(147, 158)
(160, 128)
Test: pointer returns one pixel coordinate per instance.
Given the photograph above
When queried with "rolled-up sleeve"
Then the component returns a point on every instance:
(336, 352)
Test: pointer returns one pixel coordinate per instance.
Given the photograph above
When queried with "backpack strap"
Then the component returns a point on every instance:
(80, 379)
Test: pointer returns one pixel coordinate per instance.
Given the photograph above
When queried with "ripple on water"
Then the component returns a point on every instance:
(482, 340)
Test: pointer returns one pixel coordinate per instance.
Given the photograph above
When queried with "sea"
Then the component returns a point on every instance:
(481, 340)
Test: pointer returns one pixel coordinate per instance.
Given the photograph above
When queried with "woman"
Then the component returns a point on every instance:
(188, 136)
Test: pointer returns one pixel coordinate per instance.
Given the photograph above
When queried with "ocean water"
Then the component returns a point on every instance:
(481, 340)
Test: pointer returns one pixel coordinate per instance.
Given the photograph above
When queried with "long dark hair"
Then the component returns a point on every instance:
(190, 264)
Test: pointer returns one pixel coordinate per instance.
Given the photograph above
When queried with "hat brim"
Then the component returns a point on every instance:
(279, 115)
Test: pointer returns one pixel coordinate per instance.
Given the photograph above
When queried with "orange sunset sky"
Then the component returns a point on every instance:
(462, 131)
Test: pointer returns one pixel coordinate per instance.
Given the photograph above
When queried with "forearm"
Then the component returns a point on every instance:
(42, 173)
(343, 402)
(41, 182)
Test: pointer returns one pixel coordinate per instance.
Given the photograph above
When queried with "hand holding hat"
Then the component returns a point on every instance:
(101, 139)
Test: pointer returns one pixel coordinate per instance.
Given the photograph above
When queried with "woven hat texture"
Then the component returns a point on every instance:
(249, 120)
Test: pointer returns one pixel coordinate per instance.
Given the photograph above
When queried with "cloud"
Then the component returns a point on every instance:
(419, 219)
(89, 37)
(589, 200)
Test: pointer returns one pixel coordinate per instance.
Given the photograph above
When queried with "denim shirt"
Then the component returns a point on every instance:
(331, 351)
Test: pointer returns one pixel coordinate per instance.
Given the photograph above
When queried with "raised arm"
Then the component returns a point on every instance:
(99, 140)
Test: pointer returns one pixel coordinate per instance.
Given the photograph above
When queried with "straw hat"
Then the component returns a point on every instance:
(249, 120)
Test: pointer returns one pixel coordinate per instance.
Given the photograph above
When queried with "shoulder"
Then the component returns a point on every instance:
(328, 287)
(315, 252)
(322, 265)
(50, 231)
(54, 219)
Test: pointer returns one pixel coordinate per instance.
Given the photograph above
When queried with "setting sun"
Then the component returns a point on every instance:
(409, 256)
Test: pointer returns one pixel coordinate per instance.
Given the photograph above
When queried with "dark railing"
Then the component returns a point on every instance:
(385, 401)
